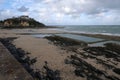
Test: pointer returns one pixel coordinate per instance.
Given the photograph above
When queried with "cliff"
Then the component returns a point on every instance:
(20, 22)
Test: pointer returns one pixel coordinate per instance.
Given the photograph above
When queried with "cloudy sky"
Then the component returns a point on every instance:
(64, 12)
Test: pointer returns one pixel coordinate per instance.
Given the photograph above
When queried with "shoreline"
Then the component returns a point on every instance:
(66, 56)
(108, 37)
(53, 30)
(96, 35)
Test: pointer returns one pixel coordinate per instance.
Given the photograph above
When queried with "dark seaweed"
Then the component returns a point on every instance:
(26, 62)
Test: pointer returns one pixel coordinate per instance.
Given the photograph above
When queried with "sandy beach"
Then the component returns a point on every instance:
(59, 40)
(42, 49)
(48, 53)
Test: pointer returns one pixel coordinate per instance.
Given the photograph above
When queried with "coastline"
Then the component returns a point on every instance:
(55, 30)
(60, 57)
(96, 35)
(108, 37)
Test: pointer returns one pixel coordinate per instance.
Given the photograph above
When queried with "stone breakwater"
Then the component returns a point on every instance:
(27, 62)
(10, 68)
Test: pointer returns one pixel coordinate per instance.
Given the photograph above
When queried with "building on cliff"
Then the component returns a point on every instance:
(8, 23)
(22, 21)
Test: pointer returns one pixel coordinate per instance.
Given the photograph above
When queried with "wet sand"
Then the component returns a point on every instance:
(43, 50)
(46, 51)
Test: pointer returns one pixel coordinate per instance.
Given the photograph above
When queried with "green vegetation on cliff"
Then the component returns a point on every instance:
(21, 22)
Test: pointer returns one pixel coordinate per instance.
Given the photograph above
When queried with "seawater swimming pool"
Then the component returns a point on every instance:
(90, 40)
(81, 38)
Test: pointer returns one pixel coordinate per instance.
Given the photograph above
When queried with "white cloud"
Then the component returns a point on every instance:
(90, 7)
(51, 10)
(6, 14)
(23, 9)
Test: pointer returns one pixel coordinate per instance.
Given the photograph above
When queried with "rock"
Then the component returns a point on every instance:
(117, 70)
(79, 72)
(67, 61)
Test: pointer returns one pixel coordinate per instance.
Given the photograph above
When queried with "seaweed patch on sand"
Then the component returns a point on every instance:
(66, 42)
(92, 63)
(27, 62)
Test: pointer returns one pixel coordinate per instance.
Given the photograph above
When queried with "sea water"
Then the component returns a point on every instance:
(80, 38)
(93, 29)
(90, 29)
(113, 30)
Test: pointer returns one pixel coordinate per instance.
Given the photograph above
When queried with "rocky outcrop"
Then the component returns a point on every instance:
(20, 22)
(10, 68)
(26, 63)
(91, 63)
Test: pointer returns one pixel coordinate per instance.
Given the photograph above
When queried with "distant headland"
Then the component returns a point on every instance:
(21, 22)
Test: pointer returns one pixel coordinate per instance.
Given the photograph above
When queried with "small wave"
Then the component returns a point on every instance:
(103, 33)
(110, 34)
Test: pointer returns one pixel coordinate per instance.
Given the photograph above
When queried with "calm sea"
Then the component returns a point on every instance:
(95, 29)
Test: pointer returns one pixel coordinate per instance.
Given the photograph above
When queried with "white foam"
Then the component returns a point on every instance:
(110, 34)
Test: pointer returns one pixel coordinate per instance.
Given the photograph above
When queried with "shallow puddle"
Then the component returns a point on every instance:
(81, 38)
(41, 35)
(102, 43)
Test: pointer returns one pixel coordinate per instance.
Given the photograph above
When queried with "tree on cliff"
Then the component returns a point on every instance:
(20, 22)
